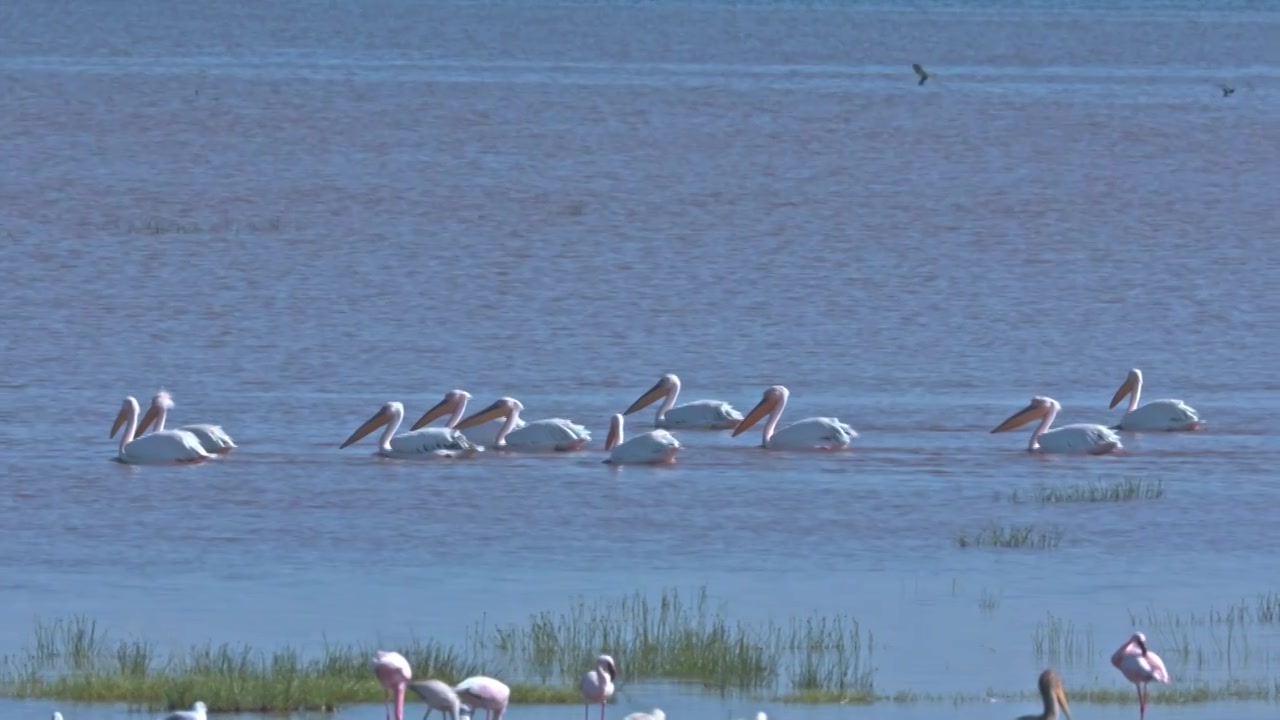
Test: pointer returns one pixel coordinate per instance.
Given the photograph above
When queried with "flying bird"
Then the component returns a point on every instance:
(924, 74)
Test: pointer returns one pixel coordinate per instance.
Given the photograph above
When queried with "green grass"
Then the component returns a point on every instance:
(1013, 536)
(670, 638)
(1057, 642)
(1123, 490)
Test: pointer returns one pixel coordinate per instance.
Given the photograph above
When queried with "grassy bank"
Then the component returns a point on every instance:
(670, 638)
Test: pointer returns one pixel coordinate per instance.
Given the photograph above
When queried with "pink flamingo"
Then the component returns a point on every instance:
(482, 691)
(597, 685)
(1140, 666)
(394, 673)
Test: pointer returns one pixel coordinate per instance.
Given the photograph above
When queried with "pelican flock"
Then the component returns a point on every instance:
(197, 443)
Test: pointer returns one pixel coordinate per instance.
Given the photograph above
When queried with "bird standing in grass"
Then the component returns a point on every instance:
(394, 673)
(597, 685)
(1054, 697)
(924, 74)
(1139, 666)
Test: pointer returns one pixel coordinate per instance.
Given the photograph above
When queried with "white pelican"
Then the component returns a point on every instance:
(197, 712)
(654, 447)
(1076, 438)
(425, 443)
(515, 434)
(1155, 415)
(213, 438)
(815, 433)
(696, 415)
(454, 402)
(162, 446)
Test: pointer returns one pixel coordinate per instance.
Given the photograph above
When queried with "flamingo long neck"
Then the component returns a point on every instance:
(774, 416)
(1042, 428)
(130, 427)
(397, 416)
(667, 403)
(507, 427)
(1135, 395)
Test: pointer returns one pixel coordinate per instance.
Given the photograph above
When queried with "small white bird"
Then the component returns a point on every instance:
(57, 715)
(656, 714)
(197, 712)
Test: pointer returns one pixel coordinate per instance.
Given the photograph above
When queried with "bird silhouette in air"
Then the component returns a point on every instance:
(1226, 90)
(924, 75)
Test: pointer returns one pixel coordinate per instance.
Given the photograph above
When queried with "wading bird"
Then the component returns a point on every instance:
(486, 693)
(425, 443)
(597, 685)
(1054, 697)
(393, 673)
(438, 695)
(1169, 415)
(197, 712)
(651, 448)
(696, 415)
(555, 434)
(1139, 666)
(213, 438)
(160, 447)
(1077, 438)
(815, 433)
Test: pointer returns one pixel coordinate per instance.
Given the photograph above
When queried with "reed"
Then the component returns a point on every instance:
(1099, 491)
(671, 638)
(1013, 536)
(1057, 642)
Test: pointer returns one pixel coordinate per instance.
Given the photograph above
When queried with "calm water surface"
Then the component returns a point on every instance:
(288, 214)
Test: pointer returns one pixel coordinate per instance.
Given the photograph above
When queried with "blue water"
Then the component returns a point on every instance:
(288, 214)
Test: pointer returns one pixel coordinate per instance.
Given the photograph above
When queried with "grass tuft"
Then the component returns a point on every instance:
(1123, 490)
(1014, 536)
(672, 638)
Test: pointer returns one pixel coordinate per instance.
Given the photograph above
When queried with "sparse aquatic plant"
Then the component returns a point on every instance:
(671, 638)
(1058, 642)
(1099, 491)
(1012, 536)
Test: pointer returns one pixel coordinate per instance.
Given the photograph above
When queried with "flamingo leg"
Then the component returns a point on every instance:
(1142, 702)
(400, 701)
(386, 693)
(602, 702)
(586, 711)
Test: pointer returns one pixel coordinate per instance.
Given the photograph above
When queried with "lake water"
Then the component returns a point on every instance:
(290, 213)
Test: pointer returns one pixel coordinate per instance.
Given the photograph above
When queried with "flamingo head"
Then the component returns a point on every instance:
(1038, 408)
(453, 400)
(503, 407)
(1140, 640)
(605, 664)
(666, 385)
(773, 396)
(380, 418)
(1132, 382)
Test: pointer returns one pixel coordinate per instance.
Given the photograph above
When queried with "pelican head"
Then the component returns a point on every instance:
(380, 418)
(503, 407)
(128, 407)
(162, 401)
(615, 432)
(1051, 690)
(452, 399)
(1131, 383)
(665, 386)
(606, 665)
(773, 395)
(1039, 407)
